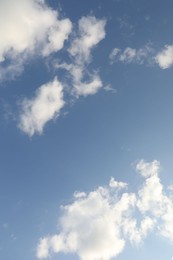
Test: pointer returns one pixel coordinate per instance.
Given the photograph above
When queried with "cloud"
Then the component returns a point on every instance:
(97, 225)
(147, 54)
(165, 57)
(128, 55)
(113, 54)
(46, 105)
(49, 98)
(90, 32)
(88, 88)
(115, 184)
(28, 28)
(131, 55)
(154, 201)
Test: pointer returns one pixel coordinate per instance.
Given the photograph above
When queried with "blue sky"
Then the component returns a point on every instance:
(86, 129)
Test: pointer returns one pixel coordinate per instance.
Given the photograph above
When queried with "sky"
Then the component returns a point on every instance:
(86, 129)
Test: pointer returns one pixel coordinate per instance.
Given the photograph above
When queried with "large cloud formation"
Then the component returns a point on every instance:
(48, 99)
(97, 225)
(29, 27)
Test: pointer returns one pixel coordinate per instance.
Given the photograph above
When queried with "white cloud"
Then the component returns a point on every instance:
(43, 249)
(148, 169)
(46, 105)
(88, 88)
(97, 225)
(153, 199)
(89, 227)
(147, 54)
(30, 27)
(131, 55)
(90, 32)
(165, 57)
(115, 184)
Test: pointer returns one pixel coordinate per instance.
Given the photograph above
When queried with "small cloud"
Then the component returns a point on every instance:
(79, 194)
(116, 184)
(90, 32)
(148, 169)
(128, 55)
(131, 55)
(113, 54)
(110, 88)
(165, 57)
(45, 106)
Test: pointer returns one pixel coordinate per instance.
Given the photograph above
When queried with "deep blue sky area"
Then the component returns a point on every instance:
(91, 137)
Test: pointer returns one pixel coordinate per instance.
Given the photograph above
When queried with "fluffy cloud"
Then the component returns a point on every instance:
(46, 105)
(30, 27)
(97, 225)
(165, 57)
(90, 32)
(153, 199)
(49, 99)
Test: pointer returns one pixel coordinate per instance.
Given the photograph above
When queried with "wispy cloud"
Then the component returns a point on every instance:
(132, 55)
(97, 225)
(46, 105)
(146, 55)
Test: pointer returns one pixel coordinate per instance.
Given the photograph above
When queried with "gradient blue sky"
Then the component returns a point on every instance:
(121, 127)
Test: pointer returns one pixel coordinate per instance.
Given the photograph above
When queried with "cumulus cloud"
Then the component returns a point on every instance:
(49, 35)
(153, 199)
(90, 32)
(46, 105)
(165, 57)
(29, 27)
(97, 225)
